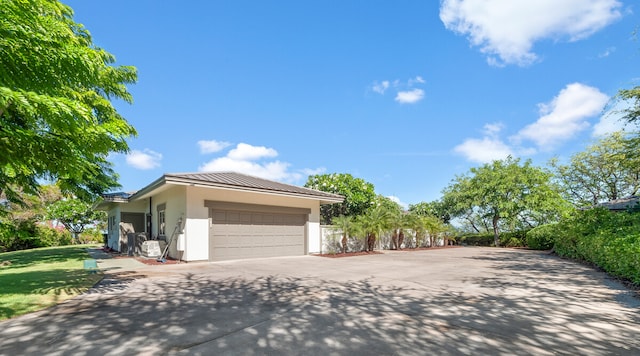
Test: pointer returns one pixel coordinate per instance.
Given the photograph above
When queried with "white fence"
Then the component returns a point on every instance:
(331, 238)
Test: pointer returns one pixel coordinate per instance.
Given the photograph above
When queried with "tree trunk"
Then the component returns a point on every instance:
(371, 241)
(394, 240)
(400, 239)
(496, 234)
(344, 243)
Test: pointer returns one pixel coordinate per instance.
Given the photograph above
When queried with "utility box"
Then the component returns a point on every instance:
(151, 248)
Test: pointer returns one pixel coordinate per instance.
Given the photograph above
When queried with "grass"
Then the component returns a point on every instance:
(32, 280)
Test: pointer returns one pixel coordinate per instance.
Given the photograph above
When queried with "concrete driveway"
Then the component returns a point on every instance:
(460, 301)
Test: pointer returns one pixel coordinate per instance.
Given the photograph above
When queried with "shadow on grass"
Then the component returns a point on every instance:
(26, 258)
(23, 291)
(203, 314)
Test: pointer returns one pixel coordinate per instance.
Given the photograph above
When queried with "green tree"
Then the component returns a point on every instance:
(507, 191)
(358, 194)
(57, 121)
(347, 227)
(604, 171)
(75, 215)
(632, 113)
(374, 223)
(33, 207)
(438, 208)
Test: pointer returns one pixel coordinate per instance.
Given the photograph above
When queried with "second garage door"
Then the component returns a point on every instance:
(250, 231)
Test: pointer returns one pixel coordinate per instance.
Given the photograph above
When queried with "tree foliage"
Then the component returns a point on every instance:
(57, 121)
(358, 194)
(374, 223)
(75, 215)
(440, 209)
(506, 193)
(604, 171)
(632, 113)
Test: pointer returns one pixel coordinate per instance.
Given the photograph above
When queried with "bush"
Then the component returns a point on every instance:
(542, 237)
(50, 237)
(476, 239)
(91, 236)
(507, 239)
(513, 238)
(27, 235)
(608, 240)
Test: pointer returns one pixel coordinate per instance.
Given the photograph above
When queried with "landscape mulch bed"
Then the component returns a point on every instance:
(364, 253)
(154, 261)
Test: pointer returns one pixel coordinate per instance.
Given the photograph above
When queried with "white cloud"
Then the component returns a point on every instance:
(212, 146)
(607, 52)
(608, 124)
(561, 119)
(146, 159)
(410, 96)
(612, 120)
(275, 170)
(380, 88)
(418, 79)
(506, 30)
(312, 172)
(398, 201)
(483, 150)
(565, 116)
(405, 91)
(256, 161)
(246, 152)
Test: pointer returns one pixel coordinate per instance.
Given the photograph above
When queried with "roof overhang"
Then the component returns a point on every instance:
(168, 180)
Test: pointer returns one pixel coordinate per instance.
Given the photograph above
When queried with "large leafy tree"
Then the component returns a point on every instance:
(57, 121)
(632, 96)
(33, 208)
(604, 171)
(438, 208)
(359, 195)
(506, 192)
(75, 215)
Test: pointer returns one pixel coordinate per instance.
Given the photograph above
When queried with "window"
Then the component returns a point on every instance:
(162, 219)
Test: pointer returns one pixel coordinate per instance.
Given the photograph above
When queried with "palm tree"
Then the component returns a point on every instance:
(396, 220)
(434, 227)
(414, 222)
(346, 225)
(376, 221)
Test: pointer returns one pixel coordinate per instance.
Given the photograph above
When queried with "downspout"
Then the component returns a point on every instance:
(150, 221)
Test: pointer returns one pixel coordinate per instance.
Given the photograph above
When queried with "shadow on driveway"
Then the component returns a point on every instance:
(532, 304)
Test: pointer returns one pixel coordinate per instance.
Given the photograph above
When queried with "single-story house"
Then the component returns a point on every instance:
(219, 216)
(622, 204)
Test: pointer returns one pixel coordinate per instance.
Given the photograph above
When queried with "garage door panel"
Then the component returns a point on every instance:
(247, 234)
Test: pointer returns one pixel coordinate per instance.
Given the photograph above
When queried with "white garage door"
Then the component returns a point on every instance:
(252, 231)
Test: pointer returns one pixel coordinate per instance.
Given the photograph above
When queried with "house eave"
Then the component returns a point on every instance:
(168, 180)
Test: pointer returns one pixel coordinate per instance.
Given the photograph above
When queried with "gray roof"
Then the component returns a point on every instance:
(620, 204)
(232, 180)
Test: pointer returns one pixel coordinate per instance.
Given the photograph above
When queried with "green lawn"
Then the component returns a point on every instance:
(35, 279)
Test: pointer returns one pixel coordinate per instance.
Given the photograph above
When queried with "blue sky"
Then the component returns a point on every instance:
(404, 94)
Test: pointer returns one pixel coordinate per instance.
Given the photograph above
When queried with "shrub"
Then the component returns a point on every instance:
(28, 235)
(609, 240)
(91, 235)
(542, 237)
(476, 239)
(50, 237)
(507, 239)
(513, 238)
